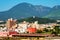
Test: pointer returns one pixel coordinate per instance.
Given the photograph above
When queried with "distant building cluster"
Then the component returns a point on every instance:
(24, 27)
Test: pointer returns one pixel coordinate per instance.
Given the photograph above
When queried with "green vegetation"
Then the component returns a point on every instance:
(38, 31)
(40, 20)
(45, 31)
(54, 14)
(54, 31)
(2, 22)
(57, 29)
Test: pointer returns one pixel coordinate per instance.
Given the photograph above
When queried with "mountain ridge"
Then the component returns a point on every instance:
(24, 10)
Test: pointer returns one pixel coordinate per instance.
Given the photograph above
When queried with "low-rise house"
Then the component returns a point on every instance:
(31, 30)
(22, 27)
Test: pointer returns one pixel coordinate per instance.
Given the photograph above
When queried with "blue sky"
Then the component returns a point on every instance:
(7, 4)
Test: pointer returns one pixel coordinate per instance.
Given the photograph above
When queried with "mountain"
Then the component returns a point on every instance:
(54, 13)
(43, 10)
(24, 10)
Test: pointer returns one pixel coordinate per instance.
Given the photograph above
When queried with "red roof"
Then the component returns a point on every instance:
(12, 32)
(31, 30)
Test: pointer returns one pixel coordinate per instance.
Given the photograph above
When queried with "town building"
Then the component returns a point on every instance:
(22, 27)
(11, 24)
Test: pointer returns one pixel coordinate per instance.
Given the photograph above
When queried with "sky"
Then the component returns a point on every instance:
(8, 4)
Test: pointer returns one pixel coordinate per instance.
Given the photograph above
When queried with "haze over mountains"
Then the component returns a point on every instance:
(54, 12)
(24, 10)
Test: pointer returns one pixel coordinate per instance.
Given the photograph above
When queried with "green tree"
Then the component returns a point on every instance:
(57, 29)
(38, 31)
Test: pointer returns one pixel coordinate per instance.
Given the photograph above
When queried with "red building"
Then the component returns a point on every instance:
(13, 32)
(31, 30)
(6, 34)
